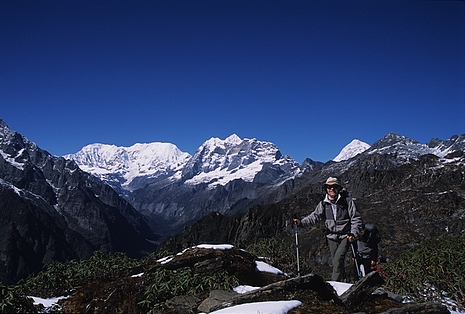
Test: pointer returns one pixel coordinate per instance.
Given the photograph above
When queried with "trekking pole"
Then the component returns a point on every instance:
(297, 248)
(354, 254)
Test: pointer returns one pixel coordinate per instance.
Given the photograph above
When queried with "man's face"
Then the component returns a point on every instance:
(332, 190)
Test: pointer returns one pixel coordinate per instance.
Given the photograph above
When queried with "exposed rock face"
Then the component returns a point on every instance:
(50, 209)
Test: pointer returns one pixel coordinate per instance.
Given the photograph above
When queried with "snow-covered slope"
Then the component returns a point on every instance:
(126, 165)
(407, 149)
(351, 150)
(403, 147)
(218, 162)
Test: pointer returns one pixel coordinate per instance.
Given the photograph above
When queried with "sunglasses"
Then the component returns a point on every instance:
(329, 187)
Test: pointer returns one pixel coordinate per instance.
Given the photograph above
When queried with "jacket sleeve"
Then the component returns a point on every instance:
(314, 217)
(355, 219)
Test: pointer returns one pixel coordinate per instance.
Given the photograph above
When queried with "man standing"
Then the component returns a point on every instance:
(342, 223)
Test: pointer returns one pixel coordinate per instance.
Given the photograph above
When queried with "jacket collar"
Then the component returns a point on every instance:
(328, 201)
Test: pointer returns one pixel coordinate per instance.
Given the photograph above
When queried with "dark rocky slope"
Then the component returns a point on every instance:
(51, 210)
(408, 201)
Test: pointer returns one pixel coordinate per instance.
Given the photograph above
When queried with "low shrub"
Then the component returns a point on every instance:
(430, 271)
(12, 301)
(59, 278)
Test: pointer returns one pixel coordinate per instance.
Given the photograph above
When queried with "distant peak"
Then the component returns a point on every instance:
(393, 135)
(352, 149)
(233, 139)
(392, 139)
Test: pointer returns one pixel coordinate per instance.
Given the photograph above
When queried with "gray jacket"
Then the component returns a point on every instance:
(347, 220)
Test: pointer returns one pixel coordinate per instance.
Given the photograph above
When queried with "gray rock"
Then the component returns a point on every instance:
(215, 298)
(181, 304)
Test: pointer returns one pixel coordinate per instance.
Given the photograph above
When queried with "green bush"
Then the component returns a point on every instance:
(430, 271)
(59, 278)
(12, 301)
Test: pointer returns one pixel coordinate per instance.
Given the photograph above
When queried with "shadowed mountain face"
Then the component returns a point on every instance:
(50, 209)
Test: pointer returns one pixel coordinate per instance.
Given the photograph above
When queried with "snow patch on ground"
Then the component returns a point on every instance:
(272, 307)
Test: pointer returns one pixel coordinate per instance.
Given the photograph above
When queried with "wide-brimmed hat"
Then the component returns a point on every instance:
(331, 181)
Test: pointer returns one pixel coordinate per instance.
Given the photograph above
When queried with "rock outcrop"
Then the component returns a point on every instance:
(315, 294)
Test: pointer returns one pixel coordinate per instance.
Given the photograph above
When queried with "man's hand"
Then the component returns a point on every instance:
(296, 221)
(350, 237)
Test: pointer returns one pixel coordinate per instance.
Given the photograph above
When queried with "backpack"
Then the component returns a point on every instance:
(373, 233)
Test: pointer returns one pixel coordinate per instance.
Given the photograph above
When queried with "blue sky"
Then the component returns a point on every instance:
(309, 76)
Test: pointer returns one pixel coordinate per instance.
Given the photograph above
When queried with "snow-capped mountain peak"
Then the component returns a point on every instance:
(125, 164)
(352, 149)
(220, 161)
(216, 162)
(233, 139)
(216, 142)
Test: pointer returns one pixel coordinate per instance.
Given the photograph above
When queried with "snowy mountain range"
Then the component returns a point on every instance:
(227, 176)
(175, 188)
(216, 162)
(48, 199)
(129, 168)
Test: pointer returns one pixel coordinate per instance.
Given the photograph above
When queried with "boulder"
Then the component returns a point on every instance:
(215, 298)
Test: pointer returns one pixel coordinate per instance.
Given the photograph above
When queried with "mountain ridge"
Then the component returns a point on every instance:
(228, 176)
(226, 157)
(123, 167)
(52, 210)
(99, 159)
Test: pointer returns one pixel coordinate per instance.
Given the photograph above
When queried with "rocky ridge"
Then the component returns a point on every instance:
(52, 210)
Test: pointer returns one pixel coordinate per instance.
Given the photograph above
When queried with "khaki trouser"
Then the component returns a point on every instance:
(338, 254)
